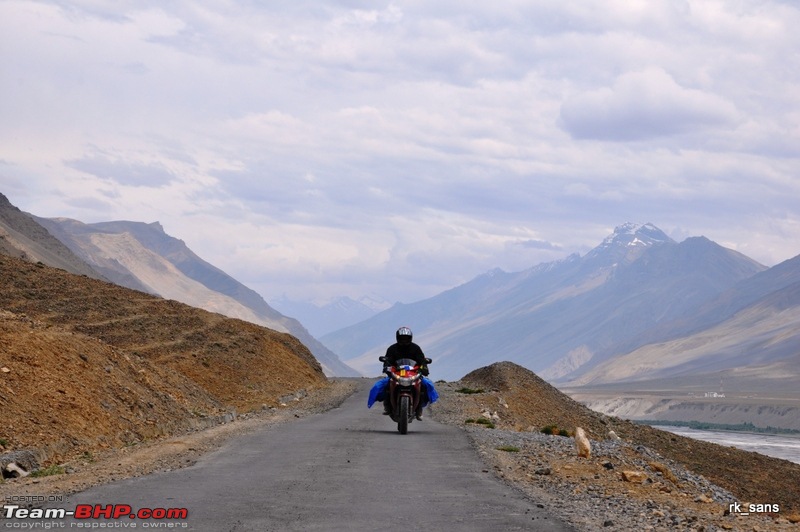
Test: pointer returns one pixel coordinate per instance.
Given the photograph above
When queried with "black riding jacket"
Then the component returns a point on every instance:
(397, 351)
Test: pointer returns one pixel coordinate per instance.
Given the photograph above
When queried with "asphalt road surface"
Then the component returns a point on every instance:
(347, 469)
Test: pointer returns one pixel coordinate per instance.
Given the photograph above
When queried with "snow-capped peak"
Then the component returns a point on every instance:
(374, 302)
(629, 236)
(494, 272)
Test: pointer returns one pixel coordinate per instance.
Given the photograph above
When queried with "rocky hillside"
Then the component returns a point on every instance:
(21, 236)
(523, 401)
(142, 256)
(86, 365)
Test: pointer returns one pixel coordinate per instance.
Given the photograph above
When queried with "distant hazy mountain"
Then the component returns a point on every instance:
(559, 319)
(749, 332)
(22, 237)
(142, 256)
(320, 319)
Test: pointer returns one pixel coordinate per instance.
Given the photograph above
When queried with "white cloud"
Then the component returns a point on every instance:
(645, 105)
(318, 149)
(137, 174)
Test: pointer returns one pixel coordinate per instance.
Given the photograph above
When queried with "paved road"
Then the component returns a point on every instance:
(347, 469)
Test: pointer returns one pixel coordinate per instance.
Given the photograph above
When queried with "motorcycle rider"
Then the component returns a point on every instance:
(404, 348)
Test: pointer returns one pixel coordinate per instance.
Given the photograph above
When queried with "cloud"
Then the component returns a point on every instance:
(538, 244)
(134, 174)
(644, 105)
(337, 148)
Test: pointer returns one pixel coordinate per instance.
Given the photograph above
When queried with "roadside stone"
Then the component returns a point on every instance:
(633, 476)
(27, 459)
(15, 471)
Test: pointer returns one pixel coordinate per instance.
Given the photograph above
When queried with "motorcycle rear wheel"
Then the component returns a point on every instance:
(402, 421)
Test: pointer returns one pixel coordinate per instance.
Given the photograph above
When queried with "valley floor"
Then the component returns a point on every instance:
(779, 410)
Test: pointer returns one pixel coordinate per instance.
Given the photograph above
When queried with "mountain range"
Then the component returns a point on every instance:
(638, 307)
(22, 237)
(340, 312)
(143, 257)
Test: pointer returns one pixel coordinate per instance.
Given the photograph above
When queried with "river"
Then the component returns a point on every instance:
(776, 445)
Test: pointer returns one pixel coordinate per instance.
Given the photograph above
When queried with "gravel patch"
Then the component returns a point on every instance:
(622, 486)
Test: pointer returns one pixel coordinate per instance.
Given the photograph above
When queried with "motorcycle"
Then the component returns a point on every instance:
(405, 391)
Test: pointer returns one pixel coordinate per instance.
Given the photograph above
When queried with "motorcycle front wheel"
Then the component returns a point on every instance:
(402, 421)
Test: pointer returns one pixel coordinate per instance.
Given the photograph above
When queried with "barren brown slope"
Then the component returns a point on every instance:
(532, 402)
(90, 363)
(63, 393)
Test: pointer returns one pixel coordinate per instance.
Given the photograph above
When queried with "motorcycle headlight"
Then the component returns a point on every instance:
(405, 381)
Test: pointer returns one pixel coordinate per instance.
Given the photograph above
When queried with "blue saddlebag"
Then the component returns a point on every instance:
(431, 392)
(379, 389)
(377, 392)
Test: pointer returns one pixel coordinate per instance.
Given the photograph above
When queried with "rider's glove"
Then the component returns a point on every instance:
(424, 371)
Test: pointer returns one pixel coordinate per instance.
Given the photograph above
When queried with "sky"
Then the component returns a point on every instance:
(316, 149)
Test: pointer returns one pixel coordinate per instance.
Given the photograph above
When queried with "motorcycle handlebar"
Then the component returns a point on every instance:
(383, 359)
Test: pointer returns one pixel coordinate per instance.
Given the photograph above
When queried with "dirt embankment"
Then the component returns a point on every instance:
(530, 403)
(87, 365)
